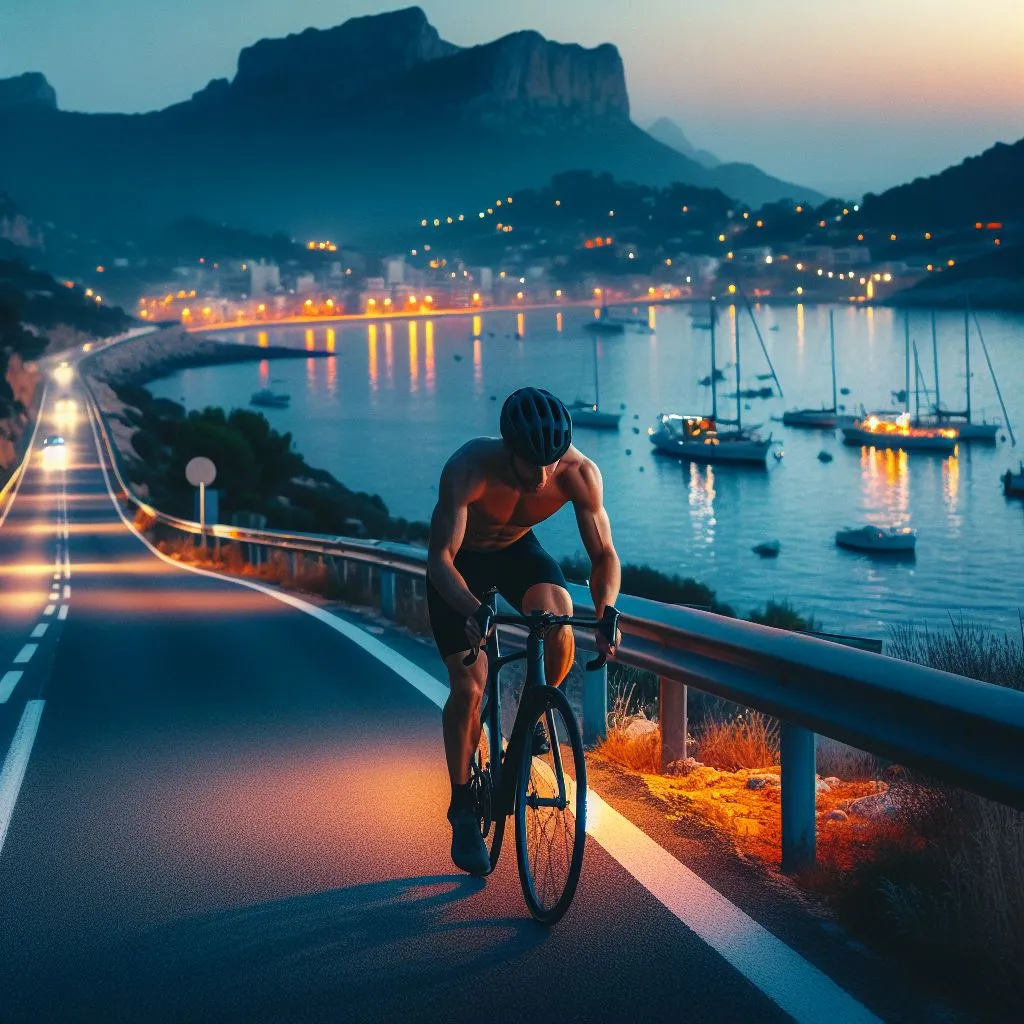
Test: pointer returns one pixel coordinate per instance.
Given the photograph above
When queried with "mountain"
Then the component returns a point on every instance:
(667, 131)
(369, 126)
(983, 188)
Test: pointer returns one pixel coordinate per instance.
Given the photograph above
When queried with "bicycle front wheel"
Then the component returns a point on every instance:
(551, 807)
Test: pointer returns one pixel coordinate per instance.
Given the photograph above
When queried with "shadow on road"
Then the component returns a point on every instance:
(383, 949)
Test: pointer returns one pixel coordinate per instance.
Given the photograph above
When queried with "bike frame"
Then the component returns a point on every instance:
(505, 765)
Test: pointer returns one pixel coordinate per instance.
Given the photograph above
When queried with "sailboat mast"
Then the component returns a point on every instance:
(917, 385)
(967, 351)
(714, 382)
(832, 347)
(935, 358)
(597, 386)
(906, 354)
(736, 335)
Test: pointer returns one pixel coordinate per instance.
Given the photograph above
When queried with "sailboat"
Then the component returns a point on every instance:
(822, 419)
(967, 429)
(881, 430)
(606, 324)
(585, 414)
(699, 437)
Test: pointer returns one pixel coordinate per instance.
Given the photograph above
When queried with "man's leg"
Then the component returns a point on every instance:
(560, 645)
(460, 718)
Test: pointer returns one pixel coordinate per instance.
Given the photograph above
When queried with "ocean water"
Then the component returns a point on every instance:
(398, 398)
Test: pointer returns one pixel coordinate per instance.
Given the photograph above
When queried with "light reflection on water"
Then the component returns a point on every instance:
(693, 520)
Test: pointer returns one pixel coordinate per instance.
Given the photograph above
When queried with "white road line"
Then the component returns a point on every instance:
(790, 981)
(67, 592)
(49, 609)
(56, 575)
(63, 613)
(25, 654)
(8, 683)
(13, 772)
(40, 631)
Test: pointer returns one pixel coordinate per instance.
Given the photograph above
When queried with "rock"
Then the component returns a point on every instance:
(832, 780)
(821, 786)
(836, 815)
(640, 727)
(28, 90)
(683, 766)
(761, 781)
(874, 806)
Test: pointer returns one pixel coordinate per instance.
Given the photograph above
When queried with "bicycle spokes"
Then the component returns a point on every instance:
(551, 816)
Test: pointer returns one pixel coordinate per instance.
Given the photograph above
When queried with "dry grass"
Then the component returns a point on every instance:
(638, 752)
(837, 760)
(746, 740)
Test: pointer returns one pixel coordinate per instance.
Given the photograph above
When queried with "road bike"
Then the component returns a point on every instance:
(539, 774)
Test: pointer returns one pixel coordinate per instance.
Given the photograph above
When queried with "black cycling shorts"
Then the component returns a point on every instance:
(513, 570)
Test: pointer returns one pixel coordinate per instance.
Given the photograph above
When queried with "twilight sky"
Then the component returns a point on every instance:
(844, 97)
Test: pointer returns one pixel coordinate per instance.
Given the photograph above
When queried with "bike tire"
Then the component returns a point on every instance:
(550, 840)
(484, 782)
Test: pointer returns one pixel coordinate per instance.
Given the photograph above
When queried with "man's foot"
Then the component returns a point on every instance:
(469, 852)
(540, 739)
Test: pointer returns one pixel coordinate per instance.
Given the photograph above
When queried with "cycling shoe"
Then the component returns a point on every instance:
(469, 852)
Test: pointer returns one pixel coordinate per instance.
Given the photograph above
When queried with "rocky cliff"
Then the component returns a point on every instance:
(337, 63)
(30, 90)
(355, 130)
(23, 382)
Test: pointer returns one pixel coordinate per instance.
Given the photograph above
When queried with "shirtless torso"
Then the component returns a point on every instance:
(488, 500)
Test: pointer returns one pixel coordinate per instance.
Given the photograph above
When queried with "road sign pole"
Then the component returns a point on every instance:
(202, 514)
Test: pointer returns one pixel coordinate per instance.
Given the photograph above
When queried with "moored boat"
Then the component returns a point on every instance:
(270, 399)
(877, 432)
(879, 539)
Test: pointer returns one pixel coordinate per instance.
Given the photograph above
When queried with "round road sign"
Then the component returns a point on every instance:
(200, 470)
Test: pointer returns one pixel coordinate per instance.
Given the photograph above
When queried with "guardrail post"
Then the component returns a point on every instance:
(672, 720)
(595, 703)
(799, 796)
(387, 593)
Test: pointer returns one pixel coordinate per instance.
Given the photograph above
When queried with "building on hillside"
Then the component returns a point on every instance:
(264, 278)
(394, 269)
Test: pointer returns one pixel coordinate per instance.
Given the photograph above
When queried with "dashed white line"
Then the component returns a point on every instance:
(13, 772)
(49, 609)
(25, 654)
(8, 683)
(40, 631)
(63, 613)
(67, 592)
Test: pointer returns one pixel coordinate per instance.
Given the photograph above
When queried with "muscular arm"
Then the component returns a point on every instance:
(587, 494)
(459, 486)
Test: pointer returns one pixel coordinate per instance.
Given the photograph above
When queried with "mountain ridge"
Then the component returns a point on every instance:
(374, 122)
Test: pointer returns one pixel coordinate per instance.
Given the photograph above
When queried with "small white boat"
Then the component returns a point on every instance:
(698, 438)
(270, 399)
(880, 539)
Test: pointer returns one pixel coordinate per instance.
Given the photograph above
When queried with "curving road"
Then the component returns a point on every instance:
(218, 806)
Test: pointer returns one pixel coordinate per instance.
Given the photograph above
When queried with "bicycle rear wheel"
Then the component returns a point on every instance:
(483, 776)
(551, 808)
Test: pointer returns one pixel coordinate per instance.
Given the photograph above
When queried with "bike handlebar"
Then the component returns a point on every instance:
(608, 625)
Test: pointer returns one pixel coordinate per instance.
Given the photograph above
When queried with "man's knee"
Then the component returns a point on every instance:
(466, 682)
(547, 597)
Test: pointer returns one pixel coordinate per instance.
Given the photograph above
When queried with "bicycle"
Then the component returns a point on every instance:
(547, 795)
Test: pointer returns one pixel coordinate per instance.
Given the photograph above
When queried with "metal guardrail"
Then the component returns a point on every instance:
(959, 730)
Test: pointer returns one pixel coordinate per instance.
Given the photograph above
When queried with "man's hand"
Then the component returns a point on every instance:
(608, 636)
(478, 626)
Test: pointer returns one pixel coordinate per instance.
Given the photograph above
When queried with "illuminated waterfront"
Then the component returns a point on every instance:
(400, 396)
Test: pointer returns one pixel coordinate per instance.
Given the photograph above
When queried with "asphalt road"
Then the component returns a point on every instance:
(231, 812)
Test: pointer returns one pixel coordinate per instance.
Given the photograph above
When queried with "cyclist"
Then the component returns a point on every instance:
(492, 492)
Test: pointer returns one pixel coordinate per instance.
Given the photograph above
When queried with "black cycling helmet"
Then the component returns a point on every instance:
(536, 426)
